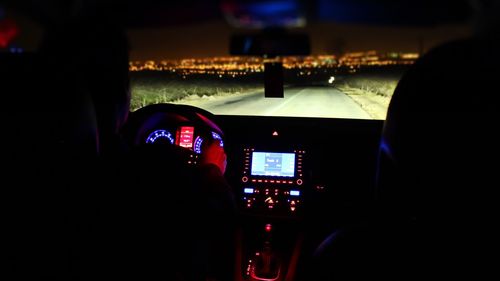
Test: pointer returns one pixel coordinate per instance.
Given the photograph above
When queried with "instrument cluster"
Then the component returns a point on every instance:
(183, 126)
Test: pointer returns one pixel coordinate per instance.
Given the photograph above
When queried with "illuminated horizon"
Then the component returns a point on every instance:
(237, 65)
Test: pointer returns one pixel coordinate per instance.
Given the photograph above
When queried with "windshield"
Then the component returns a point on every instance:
(351, 73)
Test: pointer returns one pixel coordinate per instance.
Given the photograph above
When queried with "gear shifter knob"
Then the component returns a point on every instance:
(267, 265)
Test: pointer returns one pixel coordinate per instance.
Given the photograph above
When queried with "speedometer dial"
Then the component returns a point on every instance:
(216, 136)
(199, 142)
(159, 137)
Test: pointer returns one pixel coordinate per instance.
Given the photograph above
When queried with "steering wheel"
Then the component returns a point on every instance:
(164, 135)
(185, 130)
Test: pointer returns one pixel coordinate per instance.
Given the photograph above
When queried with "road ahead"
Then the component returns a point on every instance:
(298, 102)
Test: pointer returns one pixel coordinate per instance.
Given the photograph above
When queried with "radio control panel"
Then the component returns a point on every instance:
(272, 181)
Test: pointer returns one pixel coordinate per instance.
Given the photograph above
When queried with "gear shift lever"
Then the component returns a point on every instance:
(267, 265)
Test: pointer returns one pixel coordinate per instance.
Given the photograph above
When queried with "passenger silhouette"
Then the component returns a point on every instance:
(434, 201)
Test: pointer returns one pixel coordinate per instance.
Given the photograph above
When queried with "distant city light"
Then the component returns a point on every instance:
(409, 56)
(233, 67)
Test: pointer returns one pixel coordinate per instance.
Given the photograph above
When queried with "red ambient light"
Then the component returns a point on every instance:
(269, 227)
(186, 135)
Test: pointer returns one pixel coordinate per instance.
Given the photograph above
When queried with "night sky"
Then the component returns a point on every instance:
(212, 39)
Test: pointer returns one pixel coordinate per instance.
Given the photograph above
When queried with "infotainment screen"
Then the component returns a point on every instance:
(273, 164)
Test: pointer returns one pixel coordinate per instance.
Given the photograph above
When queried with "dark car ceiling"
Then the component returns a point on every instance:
(147, 13)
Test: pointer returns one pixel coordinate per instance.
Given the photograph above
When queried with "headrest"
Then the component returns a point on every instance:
(95, 55)
(440, 125)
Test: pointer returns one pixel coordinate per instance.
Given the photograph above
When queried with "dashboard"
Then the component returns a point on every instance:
(317, 166)
(271, 179)
(286, 174)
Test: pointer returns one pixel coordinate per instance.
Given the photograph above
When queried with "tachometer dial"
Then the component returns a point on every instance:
(197, 145)
(159, 137)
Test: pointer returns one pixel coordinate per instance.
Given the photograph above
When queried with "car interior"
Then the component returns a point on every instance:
(96, 188)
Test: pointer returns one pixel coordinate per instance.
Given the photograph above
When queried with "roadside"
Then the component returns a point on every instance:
(375, 105)
(372, 92)
(153, 88)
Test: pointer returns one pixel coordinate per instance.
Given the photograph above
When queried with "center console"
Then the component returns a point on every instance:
(272, 182)
(271, 198)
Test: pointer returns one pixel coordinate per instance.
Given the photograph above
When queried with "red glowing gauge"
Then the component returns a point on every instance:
(186, 135)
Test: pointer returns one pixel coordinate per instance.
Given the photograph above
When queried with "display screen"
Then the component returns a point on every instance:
(273, 164)
(185, 138)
